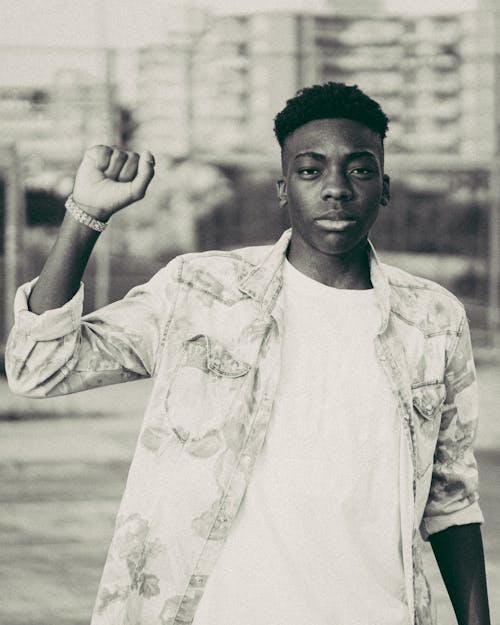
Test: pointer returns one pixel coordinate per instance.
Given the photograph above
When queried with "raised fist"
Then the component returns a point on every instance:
(108, 179)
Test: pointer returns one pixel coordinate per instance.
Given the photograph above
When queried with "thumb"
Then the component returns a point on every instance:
(145, 173)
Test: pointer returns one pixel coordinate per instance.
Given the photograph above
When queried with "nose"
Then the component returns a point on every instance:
(336, 187)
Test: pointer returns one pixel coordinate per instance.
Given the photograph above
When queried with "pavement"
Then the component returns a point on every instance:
(63, 466)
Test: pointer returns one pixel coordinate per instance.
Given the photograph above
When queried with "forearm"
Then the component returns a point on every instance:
(460, 557)
(107, 180)
(62, 273)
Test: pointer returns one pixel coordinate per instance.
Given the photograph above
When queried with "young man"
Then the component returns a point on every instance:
(313, 410)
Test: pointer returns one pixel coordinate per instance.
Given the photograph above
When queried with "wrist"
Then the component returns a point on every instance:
(102, 214)
(95, 222)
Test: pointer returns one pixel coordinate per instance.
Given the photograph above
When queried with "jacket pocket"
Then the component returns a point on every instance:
(201, 394)
(428, 401)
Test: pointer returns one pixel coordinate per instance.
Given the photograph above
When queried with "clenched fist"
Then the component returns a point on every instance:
(109, 179)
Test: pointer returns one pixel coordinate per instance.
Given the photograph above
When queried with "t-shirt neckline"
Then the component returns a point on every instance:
(295, 279)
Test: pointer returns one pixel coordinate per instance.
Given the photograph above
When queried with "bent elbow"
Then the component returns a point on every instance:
(21, 380)
(25, 386)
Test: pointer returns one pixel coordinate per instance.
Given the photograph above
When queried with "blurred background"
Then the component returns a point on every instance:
(198, 84)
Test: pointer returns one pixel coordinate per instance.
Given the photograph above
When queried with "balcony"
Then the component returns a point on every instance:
(357, 32)
(374, 59)
(441, 111)
(23, 127)
(449, 86)
(379, 84)
(444, 30)
(427, 139)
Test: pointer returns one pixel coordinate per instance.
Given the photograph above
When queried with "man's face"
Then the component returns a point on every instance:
(332, 185)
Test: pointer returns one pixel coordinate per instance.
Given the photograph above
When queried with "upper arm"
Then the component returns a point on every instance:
(60, 352)
(453, 492)
(132, 329)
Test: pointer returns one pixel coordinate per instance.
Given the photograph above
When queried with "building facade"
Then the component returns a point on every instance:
(52, 124)
(218, 92)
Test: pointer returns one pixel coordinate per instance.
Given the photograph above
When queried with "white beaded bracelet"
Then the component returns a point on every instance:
(82, 217)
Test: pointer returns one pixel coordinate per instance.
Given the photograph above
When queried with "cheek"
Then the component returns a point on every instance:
(371, 198)
(303, 199)
(296, 203)
(371, 214)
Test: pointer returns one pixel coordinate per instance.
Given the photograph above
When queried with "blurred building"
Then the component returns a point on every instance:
(165, 99)
(218, 91)
(162, 122)
(53, 123)
(449, 82)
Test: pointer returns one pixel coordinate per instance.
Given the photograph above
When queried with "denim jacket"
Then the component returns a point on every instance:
(208, 328)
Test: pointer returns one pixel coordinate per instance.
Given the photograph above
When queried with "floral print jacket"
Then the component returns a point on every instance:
(207, 327)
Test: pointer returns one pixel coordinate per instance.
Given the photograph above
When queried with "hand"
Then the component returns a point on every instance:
(108, 179)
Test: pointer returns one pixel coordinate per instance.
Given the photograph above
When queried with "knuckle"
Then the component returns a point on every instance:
(99, 152)
(100, 147)
(119, 154)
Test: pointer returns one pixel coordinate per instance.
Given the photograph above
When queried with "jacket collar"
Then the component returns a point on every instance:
(382, 287)
(263, 283)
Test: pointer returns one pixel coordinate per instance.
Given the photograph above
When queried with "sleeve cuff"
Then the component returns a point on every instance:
(432, 525)
(52, 324)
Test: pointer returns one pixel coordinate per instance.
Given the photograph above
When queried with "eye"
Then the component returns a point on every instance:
(308, 172)
(362, 172)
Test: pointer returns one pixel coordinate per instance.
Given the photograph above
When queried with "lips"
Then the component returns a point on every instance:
(337, 222)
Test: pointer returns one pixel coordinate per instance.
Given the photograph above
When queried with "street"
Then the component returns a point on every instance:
(60, 484)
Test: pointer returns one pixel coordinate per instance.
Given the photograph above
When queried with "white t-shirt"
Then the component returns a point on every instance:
(318, 537)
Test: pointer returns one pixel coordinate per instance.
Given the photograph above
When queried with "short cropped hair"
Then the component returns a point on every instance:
(330, 100)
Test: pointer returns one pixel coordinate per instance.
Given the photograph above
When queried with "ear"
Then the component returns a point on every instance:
(386, 190)
(281, 191)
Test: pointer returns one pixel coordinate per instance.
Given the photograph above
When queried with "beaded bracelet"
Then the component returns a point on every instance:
(82, 217)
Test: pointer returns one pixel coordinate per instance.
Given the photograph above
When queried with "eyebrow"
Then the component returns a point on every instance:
(321, 157)
(316, 155)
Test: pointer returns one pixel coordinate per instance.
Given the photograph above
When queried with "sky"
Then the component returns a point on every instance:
(131, 22)
(83, 24)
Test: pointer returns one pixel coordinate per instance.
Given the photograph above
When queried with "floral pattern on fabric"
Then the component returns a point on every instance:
(131, 545)
(424, 608)
(210, 327)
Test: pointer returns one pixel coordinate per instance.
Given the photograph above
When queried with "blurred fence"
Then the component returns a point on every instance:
(442, 223)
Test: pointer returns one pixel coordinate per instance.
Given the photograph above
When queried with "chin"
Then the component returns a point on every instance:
(333, 248)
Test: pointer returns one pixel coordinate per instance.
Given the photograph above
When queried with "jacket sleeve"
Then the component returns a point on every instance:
(59, 352)
(453, 496)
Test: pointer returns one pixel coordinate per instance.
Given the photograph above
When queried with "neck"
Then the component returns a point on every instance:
(342, 271)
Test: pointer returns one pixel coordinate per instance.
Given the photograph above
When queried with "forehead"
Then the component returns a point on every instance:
(332, 135)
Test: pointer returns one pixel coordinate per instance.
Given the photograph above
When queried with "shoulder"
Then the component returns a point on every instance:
(237, 261)
(217, 272)
(423, 302)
